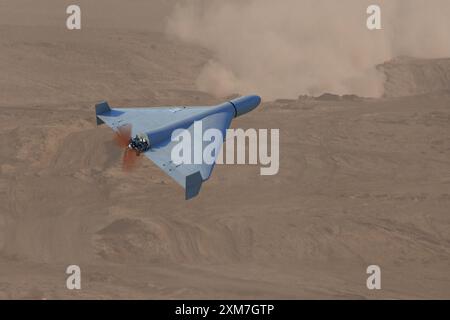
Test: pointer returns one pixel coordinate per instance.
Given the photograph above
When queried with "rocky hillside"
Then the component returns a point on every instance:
(409, 76)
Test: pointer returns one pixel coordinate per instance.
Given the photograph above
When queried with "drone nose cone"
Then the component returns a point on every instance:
(245, 104)
(254, 99)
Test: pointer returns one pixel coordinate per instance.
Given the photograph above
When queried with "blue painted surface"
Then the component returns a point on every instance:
(160, 122)
(245, 104)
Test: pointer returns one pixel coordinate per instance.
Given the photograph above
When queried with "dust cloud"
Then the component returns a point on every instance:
(291, 47)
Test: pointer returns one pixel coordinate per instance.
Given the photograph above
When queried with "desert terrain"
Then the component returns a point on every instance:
(362, 181)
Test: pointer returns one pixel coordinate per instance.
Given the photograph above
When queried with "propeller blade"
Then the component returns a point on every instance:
(123, 136)
(129, 160)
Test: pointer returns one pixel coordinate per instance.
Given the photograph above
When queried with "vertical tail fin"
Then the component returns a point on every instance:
(193, 185)
(100, 109)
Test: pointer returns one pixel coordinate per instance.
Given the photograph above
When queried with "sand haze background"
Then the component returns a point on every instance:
(284, 48)
(361, 181)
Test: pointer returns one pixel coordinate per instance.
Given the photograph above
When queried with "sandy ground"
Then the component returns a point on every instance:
(361, 182)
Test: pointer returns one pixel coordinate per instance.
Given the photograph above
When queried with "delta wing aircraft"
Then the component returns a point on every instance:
(149, 131)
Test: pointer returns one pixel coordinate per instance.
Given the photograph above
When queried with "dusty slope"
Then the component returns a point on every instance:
(361, 182)
(407, 76)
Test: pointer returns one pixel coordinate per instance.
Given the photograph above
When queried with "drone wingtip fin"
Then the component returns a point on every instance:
(101, 108)
(193, 185)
